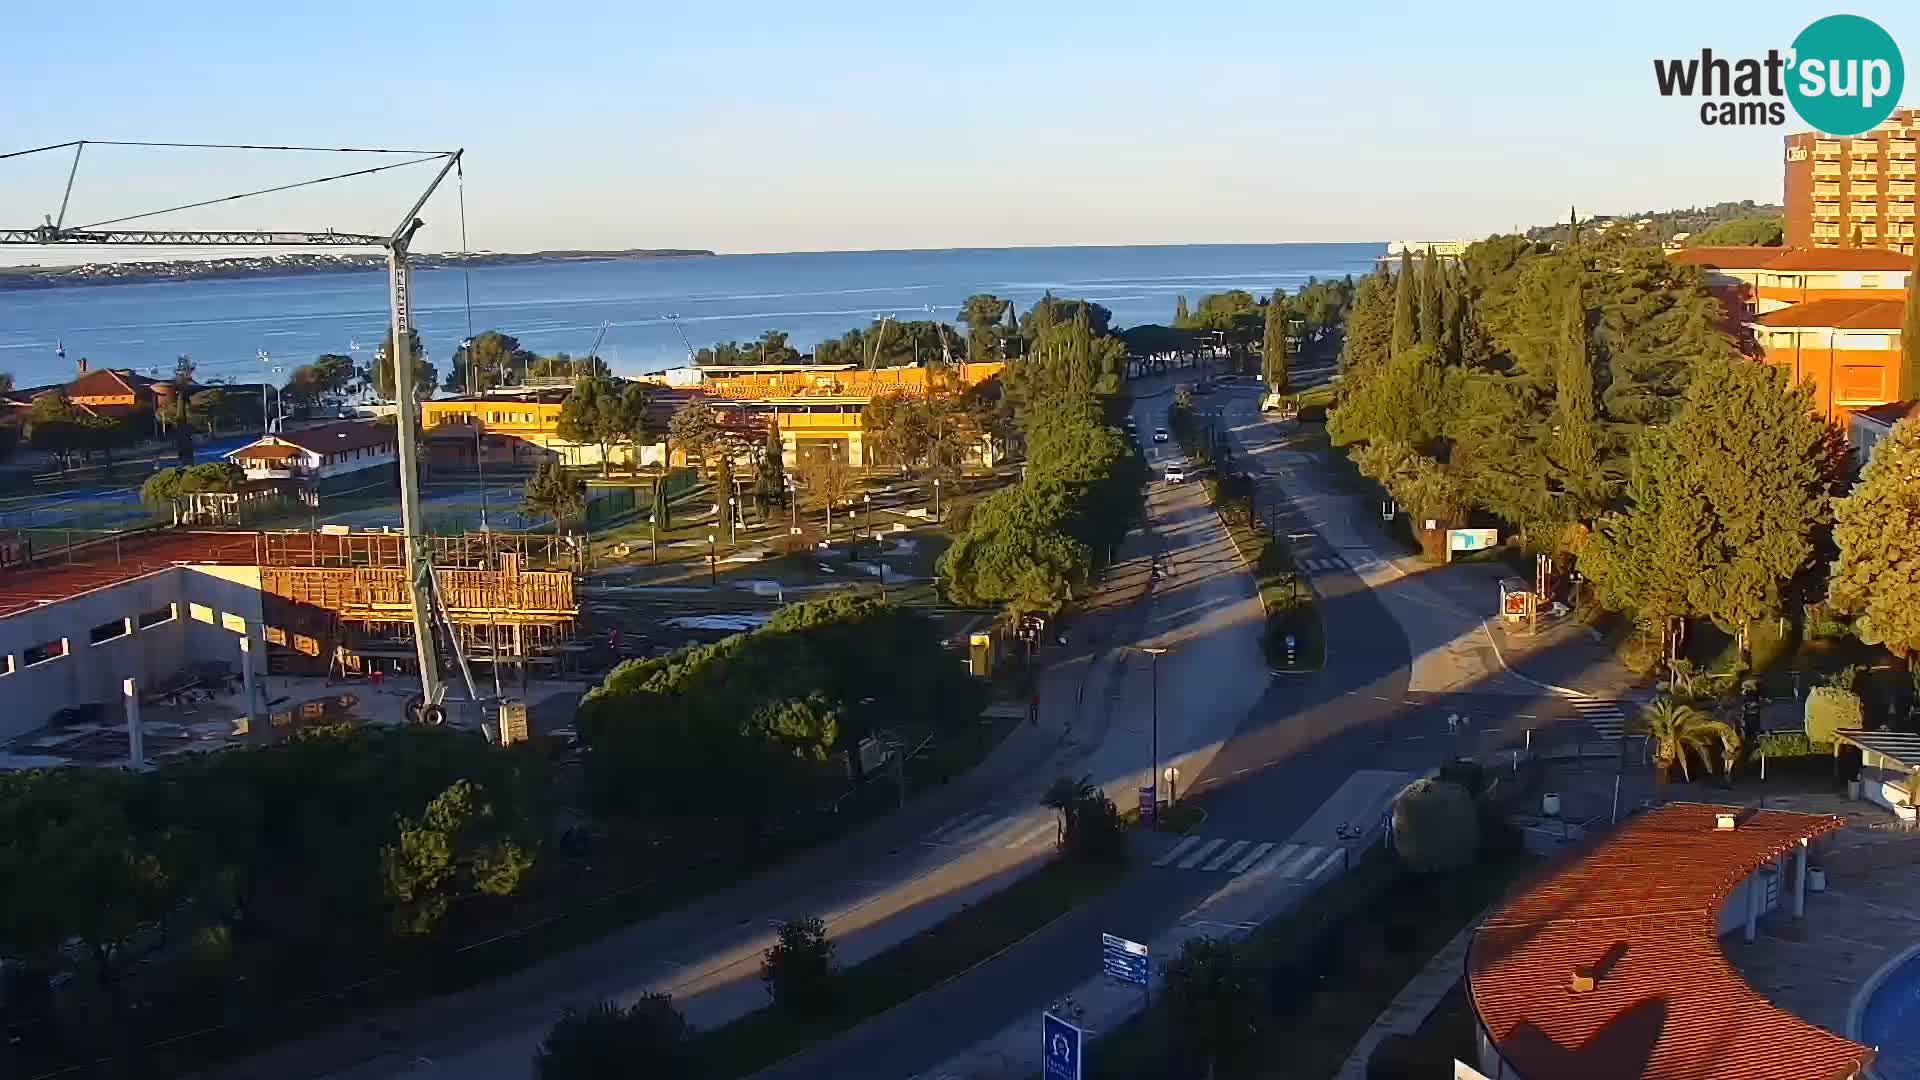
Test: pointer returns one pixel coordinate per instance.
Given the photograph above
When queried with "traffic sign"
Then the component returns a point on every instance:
(1149, 804)
(1062, 1044)
(1124, 960)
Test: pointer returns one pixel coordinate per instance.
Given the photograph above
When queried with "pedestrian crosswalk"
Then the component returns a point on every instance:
(1221, 855)
(1323, 564)
(996, 828)
(1609, 718)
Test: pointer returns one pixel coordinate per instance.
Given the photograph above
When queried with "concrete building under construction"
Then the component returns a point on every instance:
(163, 608)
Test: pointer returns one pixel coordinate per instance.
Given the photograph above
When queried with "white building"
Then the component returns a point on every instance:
(349, 455)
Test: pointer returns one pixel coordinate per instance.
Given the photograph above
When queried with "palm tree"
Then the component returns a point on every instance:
(1676, 731)
(1064, 798)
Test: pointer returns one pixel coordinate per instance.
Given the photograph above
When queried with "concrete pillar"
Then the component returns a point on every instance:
(1754, 897)
(246, 681)
(136, 740)
(1800, 880)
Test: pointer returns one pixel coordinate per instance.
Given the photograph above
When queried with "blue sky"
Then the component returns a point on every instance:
(773, 126)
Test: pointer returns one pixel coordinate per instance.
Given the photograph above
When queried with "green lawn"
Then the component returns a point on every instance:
(1288, 599)
(918, 964)
(1383, 926)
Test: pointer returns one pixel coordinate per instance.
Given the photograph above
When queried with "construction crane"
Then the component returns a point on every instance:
(431, 706)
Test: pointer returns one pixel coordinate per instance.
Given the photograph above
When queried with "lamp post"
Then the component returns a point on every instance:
(713, 557)
(266, 362)
(733, 520)
(1154, 777)
(793, 506)
(653, 527)
(936, 498)
(867, 499)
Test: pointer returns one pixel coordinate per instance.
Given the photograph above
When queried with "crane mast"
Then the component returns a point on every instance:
(419, 563)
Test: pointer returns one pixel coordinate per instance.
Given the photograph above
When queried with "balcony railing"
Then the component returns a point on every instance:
(1826, 210)
(1863, 210)
(1902, 148)
(1831, 191)
(1826, 148)
(1826, 168)
(1863, 191)
(1864, 170)
(1900, 188)
(1864, 148)
(1900, 211)
(1900, 168)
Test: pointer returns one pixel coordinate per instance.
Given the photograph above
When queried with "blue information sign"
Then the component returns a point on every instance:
(1124, 960)
(1060, 1058)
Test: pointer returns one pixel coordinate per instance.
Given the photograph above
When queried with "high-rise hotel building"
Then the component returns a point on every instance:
(1854, 191)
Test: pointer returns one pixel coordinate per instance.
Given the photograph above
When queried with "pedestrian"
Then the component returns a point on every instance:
(1033, 709)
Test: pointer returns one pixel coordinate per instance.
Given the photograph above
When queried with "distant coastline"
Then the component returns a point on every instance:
(290, 265)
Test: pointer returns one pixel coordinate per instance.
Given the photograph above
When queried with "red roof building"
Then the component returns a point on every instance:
(1610, 965)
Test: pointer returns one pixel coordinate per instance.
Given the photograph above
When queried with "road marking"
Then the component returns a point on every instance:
(1336, 853)
(954, 828)
(1274, 861)
(1202, 852)
(1301, 860)
(1259, 852)
(1227, 855)
(1241, 772)
(1035, 834)
(1176, 850)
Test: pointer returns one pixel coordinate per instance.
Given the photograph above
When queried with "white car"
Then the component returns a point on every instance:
(1159, 434)
(1177, 473)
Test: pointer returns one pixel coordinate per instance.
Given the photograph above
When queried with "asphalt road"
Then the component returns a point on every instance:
(1280, 758)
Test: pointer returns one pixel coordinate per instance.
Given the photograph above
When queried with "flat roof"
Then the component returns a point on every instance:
(1902, 747)
(109, 562)
(1637, 909)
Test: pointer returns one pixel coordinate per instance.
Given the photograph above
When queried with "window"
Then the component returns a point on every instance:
(1865, 341)
(44, 653)
(233, 622)
(1859, 383)
(111, 630)
(157, 616)
(6, 666)
(200, 613)
(1869, 281)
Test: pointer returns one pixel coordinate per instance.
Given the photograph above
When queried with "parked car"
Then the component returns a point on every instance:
(1177, 473)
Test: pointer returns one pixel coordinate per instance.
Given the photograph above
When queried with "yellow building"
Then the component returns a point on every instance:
(817, 411)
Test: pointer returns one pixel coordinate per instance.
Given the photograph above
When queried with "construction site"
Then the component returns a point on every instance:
(177, 613)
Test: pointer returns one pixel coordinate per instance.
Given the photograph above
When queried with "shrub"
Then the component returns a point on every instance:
(1436, 826)
(1847, 678)
(607, 1042)
(1830, 708)
(798, 968)
(1790, 744)
(1211, 996)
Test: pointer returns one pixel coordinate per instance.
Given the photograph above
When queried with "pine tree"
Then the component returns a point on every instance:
(1725, 502)
(1369, 326)
(1877, 529)
(1405, 332)
(1430, 299)
(1273, 345)
(771, 486)
(1181, 316)
(1910, 334)
(1576, 440)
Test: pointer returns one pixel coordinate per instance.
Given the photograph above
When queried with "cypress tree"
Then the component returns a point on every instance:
(1577, 442)
(1273, 346)
(1405, 334)
(1910, 334)
(1452, 312)
(1430, 289)
(1180, 313)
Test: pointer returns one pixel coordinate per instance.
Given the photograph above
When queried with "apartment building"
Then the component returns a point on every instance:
(1854, 191)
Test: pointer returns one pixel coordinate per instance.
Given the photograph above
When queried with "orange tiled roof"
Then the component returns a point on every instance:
(1842, 259)
(1728, 256)
(1638, 909)
(1845, 313)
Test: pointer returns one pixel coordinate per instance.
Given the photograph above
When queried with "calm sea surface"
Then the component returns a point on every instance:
(560, 306)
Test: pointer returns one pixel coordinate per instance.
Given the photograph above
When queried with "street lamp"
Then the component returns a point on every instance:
(733, 519)
(713, 557)
(936, 498)
(793, 507)
(868, 500)
(1153, 777)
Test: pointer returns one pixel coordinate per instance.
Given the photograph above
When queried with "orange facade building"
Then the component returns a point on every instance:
(1830, 315)
(1855, 191)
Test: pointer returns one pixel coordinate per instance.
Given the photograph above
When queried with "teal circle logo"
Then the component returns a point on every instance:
(1846, 75)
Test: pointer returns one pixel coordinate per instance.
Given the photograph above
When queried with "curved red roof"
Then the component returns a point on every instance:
(1636, 909)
